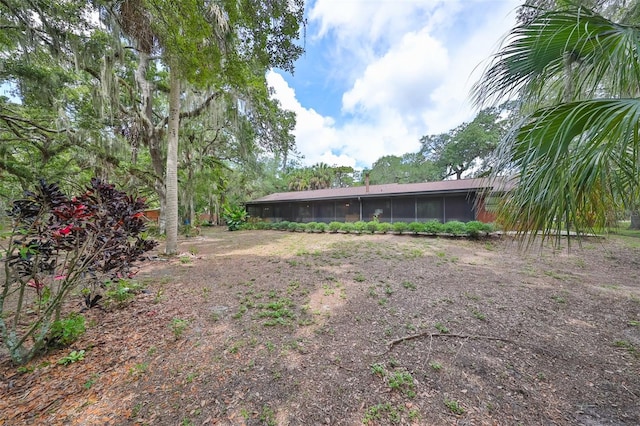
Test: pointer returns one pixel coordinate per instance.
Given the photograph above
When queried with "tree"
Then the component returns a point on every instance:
(469, 145)
(576, 149)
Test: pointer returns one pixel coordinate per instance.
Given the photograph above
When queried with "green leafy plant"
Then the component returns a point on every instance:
(178, 327)
(360, 226)
(348, 227)
(436, 366)
(454, 406)
(334, 226)
(311, 226)
(474, 228)
(234, 216)
(441, 328)
(455, 227)
(433, 227)
(74, 356)
(67, 330)
(322, 227)
(121, 291)
(385, 227)
(372, 226)
(415, 227)
(58, 245)
(400, 227)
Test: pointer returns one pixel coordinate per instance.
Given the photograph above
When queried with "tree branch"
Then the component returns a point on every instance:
(196, 111)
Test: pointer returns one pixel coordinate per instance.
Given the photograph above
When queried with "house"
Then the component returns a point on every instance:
(463, 200)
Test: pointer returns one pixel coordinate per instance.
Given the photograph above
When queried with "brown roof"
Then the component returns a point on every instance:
(390, 190)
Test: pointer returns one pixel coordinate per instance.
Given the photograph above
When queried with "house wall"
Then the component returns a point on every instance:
(444, 208)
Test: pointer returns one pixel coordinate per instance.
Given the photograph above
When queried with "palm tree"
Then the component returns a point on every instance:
(576, 149)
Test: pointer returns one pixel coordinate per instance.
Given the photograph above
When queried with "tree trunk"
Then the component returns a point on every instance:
(635, 220)
(172, 163)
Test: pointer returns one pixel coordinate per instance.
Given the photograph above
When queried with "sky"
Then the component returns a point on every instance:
(377, 75)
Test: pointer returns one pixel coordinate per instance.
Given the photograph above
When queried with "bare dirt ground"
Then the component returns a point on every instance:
(279, 328)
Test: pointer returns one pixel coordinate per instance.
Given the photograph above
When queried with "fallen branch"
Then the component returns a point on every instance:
(392, 343)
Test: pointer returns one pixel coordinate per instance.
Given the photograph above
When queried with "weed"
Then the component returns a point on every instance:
(633, 323)
(193, 250)
(178, 326)
(359, 277)
(454, 406)
(436, 366)
(383, 301)
(372, 292)
(378, 369)
(388, 290)
(270, 346)
(91, 381)
(139, 369)
(136, 410)
(67, 330)
(375, 413)
(630, 347)
(471, 296)
(409, 285)
(191, 377)
(267, 416)
(559, 299)
(186, 422)
(402, 381)
(74, 356)
(441, 328)
(185, 259)
(479, 315)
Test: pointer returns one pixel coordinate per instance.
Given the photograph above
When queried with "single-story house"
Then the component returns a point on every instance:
(463, 200)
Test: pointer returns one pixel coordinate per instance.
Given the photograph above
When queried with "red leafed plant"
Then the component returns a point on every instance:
(59, 244)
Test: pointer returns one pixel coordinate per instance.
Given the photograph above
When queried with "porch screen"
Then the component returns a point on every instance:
(404, 209)
(376, 207)
(459, 208)
(430, 208)
(324, 211)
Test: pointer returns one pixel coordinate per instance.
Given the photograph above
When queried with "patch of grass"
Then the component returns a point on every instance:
(479, 315)
(454, 406)
(386, 410)
(378, 369)
(436, 366)
(630, 347)
(441, 328)
(178, 327)
(634, 323)
(139, 369)
(408, 285)
(402, 381)
(559, 299)
(359, 277)
(268, 416)
(185, 259)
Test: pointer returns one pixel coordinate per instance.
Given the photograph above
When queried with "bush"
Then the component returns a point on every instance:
(433, 227)
(234, 217)
(372, 226)
(322, 227)
(66, 331)
(312, 226)
(359, 226)
(455, 227)
(415, 227)
(301, 227)
(400, 227)
(335, 226)
(292, 226)
(384, 227)
(474, 228)
(57, 246)
(348, 227)
(282, 226)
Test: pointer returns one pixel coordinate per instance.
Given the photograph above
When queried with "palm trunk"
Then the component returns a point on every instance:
(172, 164)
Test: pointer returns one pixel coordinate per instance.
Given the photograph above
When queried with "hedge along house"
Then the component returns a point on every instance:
(463, 200)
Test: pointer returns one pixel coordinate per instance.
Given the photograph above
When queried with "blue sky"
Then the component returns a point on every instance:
(379, 74)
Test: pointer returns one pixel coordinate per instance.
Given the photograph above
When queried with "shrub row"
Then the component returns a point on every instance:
(473, 229)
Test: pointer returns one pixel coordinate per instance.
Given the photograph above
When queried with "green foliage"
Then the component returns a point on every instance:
(372, 226)
(67, 330)
(121, 290)
(234, 217)
(400, 227)
(312, 226)
(178, 327)
(385, 227)
(474, 228)
(292, 226)
(455, 227)
(348, 227)
(335, 226)
(415, 227)
(282, 226)
(360, 226)
(322, 227)
(433, 227)
(74, 356)
(454, 406)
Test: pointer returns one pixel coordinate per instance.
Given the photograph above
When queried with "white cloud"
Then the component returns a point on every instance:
(408, 67)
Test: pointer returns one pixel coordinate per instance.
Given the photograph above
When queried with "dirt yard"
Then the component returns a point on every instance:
(280, 328)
